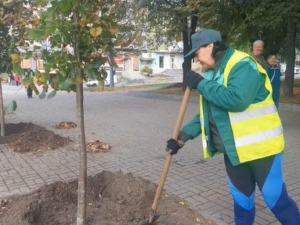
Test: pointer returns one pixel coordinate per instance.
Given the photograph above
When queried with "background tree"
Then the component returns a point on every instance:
(168, 22)
(88, 27)
(130, 25)
(13, 17)
(273, 21)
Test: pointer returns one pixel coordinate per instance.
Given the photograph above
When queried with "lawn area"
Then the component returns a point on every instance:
(295, 99)
(167, 88)
(127, 88)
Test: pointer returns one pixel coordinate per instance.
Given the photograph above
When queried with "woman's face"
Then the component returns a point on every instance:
(272, 60)
(204, 56)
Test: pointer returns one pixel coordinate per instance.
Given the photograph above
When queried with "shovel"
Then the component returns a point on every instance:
(153, 216)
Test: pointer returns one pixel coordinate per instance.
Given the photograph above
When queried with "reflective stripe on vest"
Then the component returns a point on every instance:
(252, 113)
(257, 131)
(261, 136)
(206, 153)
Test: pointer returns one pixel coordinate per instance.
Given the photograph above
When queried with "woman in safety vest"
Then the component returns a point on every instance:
(239, 119)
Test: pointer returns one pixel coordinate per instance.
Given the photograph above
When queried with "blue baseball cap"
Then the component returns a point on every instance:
(201, 38)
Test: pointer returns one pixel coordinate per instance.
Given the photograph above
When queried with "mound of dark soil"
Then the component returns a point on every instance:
(112, 199)
(28, 137)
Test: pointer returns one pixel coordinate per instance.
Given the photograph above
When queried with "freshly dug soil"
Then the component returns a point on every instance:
(112, 199)
(28, 137)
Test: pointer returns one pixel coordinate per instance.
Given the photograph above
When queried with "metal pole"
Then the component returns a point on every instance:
(123, 61)
(111, 75)
(2, 121)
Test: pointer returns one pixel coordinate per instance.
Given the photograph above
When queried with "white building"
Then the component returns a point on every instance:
(161, 60)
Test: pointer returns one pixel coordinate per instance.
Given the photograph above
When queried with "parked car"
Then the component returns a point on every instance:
(283, 69)
(94, 83)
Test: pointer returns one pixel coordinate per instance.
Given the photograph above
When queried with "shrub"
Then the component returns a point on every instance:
(146, 70)
(4, 77)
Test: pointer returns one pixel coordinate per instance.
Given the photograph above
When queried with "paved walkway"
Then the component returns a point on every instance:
(137, 127)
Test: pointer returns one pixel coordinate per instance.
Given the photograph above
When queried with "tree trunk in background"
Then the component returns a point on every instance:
(187, 44)
(186, 65)
(290, 59)
(2, 121)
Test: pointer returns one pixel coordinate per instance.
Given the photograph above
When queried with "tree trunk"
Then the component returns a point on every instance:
(187, 44)
(290, 59)
(2, 121)
(82, 178)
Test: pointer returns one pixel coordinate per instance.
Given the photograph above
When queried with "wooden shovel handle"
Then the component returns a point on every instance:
(169, 156)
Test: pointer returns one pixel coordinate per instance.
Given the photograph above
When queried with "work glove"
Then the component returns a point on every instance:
(173, 146)
(193, 79)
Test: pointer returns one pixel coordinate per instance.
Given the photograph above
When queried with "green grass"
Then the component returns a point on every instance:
(173, 91)
(127, 88)
(4, 77)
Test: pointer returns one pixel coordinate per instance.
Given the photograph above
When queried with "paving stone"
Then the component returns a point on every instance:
(207, 193)
(265, 216)
(216, 208)
(3, 189)
(261, 221)
(223, 217)
(185, 195)
(206, 205)
(227, 212)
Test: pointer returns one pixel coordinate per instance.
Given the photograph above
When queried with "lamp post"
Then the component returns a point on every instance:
(111, 73)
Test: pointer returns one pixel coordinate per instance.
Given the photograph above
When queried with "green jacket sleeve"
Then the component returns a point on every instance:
(191, 130)
(243, 85)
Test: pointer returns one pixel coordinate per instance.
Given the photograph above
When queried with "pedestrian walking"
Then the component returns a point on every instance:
(11, 79)
(238, 118)
(17, 79)
(29, 74)
(274, 76)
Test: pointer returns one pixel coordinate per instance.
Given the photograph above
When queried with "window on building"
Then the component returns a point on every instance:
(161, 62)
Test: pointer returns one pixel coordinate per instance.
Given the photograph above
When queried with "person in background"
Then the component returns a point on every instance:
(274, 76)
(257, 53)
(238, 118)
(29, 74)
(17, 79)
(11, 79)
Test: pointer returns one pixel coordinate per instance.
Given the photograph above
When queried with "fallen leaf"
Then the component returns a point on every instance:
(97, 146)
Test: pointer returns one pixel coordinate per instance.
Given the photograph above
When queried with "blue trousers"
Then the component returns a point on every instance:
(267, 174)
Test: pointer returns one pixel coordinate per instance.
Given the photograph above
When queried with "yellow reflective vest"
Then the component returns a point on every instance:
(257, 131)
